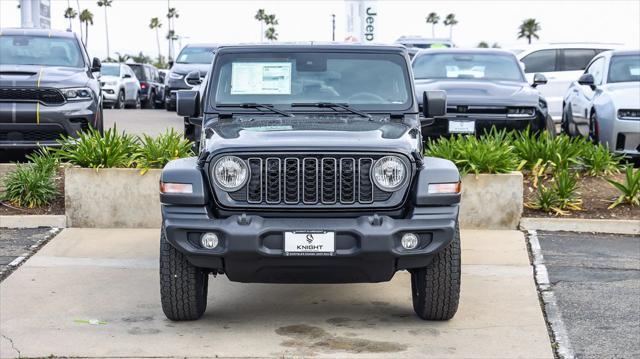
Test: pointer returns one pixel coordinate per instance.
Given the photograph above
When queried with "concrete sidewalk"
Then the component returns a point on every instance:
(111, 275)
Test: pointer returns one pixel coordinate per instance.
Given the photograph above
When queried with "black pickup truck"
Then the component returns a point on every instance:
(310, 170)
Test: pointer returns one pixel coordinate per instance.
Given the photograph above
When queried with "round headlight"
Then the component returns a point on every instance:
(230, 173)
(389, 173)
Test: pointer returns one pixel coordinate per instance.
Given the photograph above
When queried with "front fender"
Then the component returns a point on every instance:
(435, 170)
(186, 171)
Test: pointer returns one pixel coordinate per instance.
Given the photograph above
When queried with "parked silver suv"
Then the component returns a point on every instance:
(120, 87)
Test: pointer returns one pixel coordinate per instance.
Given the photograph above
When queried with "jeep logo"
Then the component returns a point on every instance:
(369, 33)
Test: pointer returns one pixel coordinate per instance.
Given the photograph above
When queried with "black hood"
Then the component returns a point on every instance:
(50, 76)
(184, 69)
(475, 92)
(315, 133)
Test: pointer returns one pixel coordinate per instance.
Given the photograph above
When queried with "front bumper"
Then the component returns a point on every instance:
(367, 248)
(27, 125)
(440, 127)
(109, 94)
(625, 138)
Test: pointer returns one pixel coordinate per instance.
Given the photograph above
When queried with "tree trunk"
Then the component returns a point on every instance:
(106, 26)
(529, 38)
(86, 34)
(80, 21)
(158, 41)
(450, 32)
(433, 31)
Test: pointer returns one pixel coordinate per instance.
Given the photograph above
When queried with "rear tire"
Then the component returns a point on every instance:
(120, 101)
(150, 101)
(436, 288)
(183, 286)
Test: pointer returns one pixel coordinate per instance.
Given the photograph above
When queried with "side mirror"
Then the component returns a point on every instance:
(126, 76)
(434, 104)
(193, 78)
(188, 103)
(96, 65)
(539, 79)
(587, 80)
(170, 64)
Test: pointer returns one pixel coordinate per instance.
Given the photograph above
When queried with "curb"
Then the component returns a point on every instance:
(615, 226)
(33, 221)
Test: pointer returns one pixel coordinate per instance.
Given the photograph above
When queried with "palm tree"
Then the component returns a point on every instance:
(78, 8)
(156, 24)
(529, 29)
(271, 34)
(260, 16)
(450, 21)
(141, 58)
(172, 14)
(106, 4)
(70, 14)
(482, 45)
(86, 17)
(433, 19)
(122, 58)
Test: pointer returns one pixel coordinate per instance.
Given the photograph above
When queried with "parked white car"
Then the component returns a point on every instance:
(120, 87)
(604, 103)
(560, 63)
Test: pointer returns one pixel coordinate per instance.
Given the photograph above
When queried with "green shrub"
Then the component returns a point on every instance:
(44, 159)
(629, 189)
(157, 152)
(565, 185)
(539, 152)
(491, 153)
(546, 200)
(597, 160)
(29, 186)
(94, 150)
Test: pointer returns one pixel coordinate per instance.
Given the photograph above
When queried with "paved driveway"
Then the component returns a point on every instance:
(137, 122)
(110, 278)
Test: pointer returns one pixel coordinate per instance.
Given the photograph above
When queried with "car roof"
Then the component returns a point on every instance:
(567, 45)
(314, 46)
(452, 50)
(624, 52)
(422, 39)
(210, 46)
(37, 32)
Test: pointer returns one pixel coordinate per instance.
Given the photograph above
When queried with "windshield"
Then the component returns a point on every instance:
(36, 50)
(110, 70)
(624, 68)
(467, 66)
(138, 70)
(195, 55)
(368, 80)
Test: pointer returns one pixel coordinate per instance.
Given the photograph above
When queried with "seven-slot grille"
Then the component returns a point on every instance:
(46, 96)
(310, 180)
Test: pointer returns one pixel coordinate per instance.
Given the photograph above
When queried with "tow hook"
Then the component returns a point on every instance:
(375, 220)
(243, 220)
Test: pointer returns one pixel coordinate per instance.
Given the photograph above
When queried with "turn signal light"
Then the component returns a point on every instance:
(168, 187)
(445, 188)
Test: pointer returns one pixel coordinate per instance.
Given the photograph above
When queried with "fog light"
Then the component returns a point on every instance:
(409, 241)
(209, 240)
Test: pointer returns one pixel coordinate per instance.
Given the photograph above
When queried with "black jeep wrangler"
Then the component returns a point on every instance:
(310, 170)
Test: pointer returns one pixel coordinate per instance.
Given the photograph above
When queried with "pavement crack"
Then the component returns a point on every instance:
(13, 346)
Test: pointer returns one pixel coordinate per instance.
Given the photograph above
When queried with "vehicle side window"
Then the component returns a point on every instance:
(576, 59)
(597, 70)
(540, 61)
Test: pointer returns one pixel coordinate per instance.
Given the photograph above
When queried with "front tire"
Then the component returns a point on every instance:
(120, 101)
(436, 288)
(594, 135)
(183, 286)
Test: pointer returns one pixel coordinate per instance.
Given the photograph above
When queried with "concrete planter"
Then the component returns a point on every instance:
(4, 169)
(491, 201)
(112, 197)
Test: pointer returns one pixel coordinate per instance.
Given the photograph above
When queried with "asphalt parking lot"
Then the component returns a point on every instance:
(95, 293)
(596, 282)
(138, 122)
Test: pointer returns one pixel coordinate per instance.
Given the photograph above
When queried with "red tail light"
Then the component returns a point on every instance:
(143, 85)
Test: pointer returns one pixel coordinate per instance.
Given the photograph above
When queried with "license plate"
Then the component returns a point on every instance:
(309, 243)
(468, 126)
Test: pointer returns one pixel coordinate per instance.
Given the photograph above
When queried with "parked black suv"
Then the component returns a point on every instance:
(151, 86)
(48, 87)
(311, 170)
(193, 57)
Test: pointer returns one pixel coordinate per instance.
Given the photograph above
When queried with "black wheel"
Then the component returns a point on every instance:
(168, 106)
(100, 122)
(550, 127)
(593, 128)
(120, 101)
(436, 288)
(564, 124)
(183, 287)
(150, 101)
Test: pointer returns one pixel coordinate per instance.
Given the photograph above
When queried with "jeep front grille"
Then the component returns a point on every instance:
(47, 96)
(312, 180)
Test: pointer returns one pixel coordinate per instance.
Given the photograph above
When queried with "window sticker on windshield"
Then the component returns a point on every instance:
(261, 78)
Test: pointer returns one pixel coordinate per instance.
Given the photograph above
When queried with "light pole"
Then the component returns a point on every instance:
(333, 27)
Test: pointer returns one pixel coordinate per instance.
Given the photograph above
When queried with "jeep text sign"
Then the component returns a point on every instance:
(362, 17)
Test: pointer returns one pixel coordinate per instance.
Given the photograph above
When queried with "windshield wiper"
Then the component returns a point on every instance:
(256, 106)
(332, 105)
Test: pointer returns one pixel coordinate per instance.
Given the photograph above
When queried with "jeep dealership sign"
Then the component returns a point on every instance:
(362, 21)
